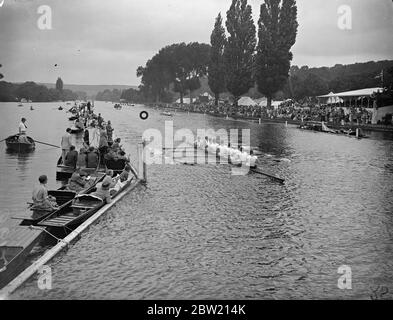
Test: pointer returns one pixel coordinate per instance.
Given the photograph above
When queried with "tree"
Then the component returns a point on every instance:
(239, 49)
(216, 70)
(277, 29)
(388, 78)
(189, 63)
(178, 64)
(59, 84)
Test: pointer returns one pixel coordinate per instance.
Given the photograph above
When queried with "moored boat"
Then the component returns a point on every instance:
(65, 172)
(80, 209)
(14, 144)
(166, 113)
(14, 249)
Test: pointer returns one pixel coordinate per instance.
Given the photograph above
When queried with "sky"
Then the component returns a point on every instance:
(104, 41)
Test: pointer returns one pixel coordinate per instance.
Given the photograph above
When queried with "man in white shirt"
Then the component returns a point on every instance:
(22, 126)
(22, 131)
(251, 160)
(65, 144)
(243, 156)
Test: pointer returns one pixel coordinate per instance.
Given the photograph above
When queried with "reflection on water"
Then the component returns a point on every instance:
(199, 232)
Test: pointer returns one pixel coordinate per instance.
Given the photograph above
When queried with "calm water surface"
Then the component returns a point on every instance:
(197, 232)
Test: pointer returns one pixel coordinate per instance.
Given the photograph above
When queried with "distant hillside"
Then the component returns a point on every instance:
(91, 90)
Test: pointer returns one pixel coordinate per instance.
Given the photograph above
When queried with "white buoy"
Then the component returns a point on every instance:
(286, 123)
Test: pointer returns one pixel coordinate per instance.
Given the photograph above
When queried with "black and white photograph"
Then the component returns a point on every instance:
(196, 150)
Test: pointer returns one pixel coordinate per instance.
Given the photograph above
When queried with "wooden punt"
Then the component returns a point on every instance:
(63, 197)
(79, 210)
(14, 250)
(13, 144)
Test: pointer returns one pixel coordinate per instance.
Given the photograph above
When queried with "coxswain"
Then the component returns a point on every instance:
(243, 156)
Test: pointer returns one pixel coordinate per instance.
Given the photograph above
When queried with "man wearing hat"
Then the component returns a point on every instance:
(103, 192)
(78, 181)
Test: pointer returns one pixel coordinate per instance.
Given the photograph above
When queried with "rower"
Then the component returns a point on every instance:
(243, 156)
(22, 131)
(251, 160)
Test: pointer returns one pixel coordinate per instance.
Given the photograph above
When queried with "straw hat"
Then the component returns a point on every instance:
(105, 185)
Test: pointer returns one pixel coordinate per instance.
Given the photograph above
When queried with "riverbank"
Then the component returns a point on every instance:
(337, 126)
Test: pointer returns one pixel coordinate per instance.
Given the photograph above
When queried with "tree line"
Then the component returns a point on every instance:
(10, 92)
(234, 63)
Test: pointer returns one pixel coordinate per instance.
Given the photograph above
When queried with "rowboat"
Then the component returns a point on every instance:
(65, 172)
(63, 197)
(168, 114)
(322, 127)
(14, 144)
(253, 169)
(14, 249)
(79, 210)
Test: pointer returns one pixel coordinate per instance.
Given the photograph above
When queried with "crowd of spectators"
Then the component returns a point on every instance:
(289, 110)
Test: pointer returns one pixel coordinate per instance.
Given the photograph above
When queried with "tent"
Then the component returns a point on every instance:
(246, 101)
(205, 97)
(185, 100)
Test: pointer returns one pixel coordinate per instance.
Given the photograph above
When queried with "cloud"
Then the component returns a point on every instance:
(99, 41)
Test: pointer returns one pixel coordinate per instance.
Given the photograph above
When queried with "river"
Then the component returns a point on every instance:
(198, 232)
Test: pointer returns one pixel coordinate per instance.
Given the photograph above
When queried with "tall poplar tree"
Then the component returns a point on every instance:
(277, 30)
(59, 84)
(239, 50)
(216, 71)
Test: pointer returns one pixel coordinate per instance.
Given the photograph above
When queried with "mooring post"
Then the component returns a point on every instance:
(144, 161)
(260, 120)
(357, 133)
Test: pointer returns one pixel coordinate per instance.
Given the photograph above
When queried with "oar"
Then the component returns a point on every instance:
(48, 144)
(268, 175)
